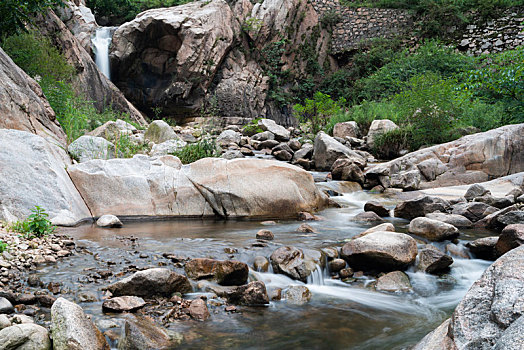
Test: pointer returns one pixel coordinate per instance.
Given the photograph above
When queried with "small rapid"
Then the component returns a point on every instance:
(101, 43)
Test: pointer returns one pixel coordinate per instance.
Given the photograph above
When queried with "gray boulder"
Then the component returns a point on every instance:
(305, 152)
(346, 129)
(5, 306)
(224, 272)
(511, 218)
(346, 169)
(456, 220)
(88, 147)
(484, 248)
(511, 237)
(34, 173)
(379, 127)
(73, 330)
(381, 250)
(377, 208)
(123, 304)
(473, 211)
(151, 282)
(489, 309)
(113, 130)
(395, 281)
(28, 336)
(475, 191)
(327, 150)
(140, 333)
(421, 206)
(432, 260)
(281, 133)
(228, 136)
(252, 294)
(291, 262)
(297, 295)
(159, 131)
(432, 229)
(167, 147)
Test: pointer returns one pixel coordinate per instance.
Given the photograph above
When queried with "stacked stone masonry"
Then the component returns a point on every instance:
(500, 34)
(357, 25)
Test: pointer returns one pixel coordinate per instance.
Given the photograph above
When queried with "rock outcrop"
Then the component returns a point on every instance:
(33, 173)
(144, 186)
(206, 56)
(488, 314)
(23, 105)
(470, 159)
(88, 81)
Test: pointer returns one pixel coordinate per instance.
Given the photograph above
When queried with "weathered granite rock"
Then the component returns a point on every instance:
(23, 105)
(368, 216)
(151, 282)
(456, 220)
(379, 127)
(490, 308)
(88, 147)
(228, 136)
(113, 130)
(291, 262)
(123, 304)
(5, 306)
(471, 159)
(473, 211)
(377, 208)
(254, 294)
(297, 295)
(346, 129)
(159, 131)
(33, 173)
(167, 147)
(432, 260)
(484, 248)
(226, 272)
(395, 281)
(281, 133)
(144, 186)
(346, 169)
(381, 250)
(432, 229)
(421, 206)
(511, 237)
(327, 150)
(73, 330)
(475, 191)
(27, 336)
(139, 333)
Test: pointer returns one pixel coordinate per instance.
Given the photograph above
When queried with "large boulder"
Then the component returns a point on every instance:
(420, 206)
(73, 330)
(254, 294)
(89, 81)
(346, 129)
(432, 260)
(346, 169)
(470, 159)
(381, 250)
(484, 248)
(473, 211)
(159, 131)
(433, 230)
(395, 281)
(156, 281)
(27, 336)
(23, 105)
(456, 220)
(327, 150)
(227, 273)
(281, 133)
(33, 173)
(88, 147)
(144, 186)
(490, 311)
(379, 127)
(139, 333)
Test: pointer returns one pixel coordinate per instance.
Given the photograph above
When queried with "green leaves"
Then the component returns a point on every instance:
(36, 225)
(195, 151)
(15, 14)
(318, 111)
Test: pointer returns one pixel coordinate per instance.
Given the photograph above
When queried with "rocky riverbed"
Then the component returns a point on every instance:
(298, 275)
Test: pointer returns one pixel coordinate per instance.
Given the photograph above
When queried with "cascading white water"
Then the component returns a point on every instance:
(101, 42)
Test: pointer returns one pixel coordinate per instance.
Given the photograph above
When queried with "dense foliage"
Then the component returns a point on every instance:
(15, 14)
(435, 95)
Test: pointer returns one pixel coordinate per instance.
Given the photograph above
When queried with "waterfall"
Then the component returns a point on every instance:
(101, 42)
(316, 277)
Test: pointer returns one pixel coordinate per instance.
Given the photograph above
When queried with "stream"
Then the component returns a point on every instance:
(339, 315)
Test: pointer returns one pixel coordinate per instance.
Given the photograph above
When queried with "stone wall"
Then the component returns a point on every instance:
(360, 24)
(503, 33)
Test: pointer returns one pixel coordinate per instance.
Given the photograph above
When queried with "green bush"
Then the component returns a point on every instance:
(126, 148)
(36, 225)
(252, 128)
(318, 111)
(195, 151)
(3, 246)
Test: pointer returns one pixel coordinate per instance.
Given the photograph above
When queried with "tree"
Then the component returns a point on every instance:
(15, 14)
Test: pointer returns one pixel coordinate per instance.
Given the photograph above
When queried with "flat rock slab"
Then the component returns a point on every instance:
(123, 304)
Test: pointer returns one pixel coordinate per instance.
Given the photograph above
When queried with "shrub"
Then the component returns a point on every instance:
(36, 224)
(3, 246)
(126, 148)
(195, 151)
(388, 145)
(15, 14)
(318, 111)
(252, 128)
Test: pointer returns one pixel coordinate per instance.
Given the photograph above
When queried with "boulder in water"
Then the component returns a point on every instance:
(433, 230)
(421, 206)
(395, 281)
(377, 208)
(291, 262)
(432, 260)
(253, 294)
(327, 150)
(297, 295)
(511, 237)
(226, 272)
(123, 304)
(456, 220)
(383, 251)
(28, 336)
(109, 221)
(140, 333)
(151, 282)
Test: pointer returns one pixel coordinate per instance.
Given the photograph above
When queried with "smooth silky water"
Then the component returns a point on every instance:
(101, 42)
(339, 315)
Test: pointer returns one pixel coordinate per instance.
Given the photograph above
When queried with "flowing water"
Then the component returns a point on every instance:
(101, 42)
(339, 315)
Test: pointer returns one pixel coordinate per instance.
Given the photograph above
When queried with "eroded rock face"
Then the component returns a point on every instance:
(89, 81)
(471, 159)
(33, 173)
(151, 282)
(73, 330)
(381, 250)
(23, 105)
(144, 186)
(492, 306)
